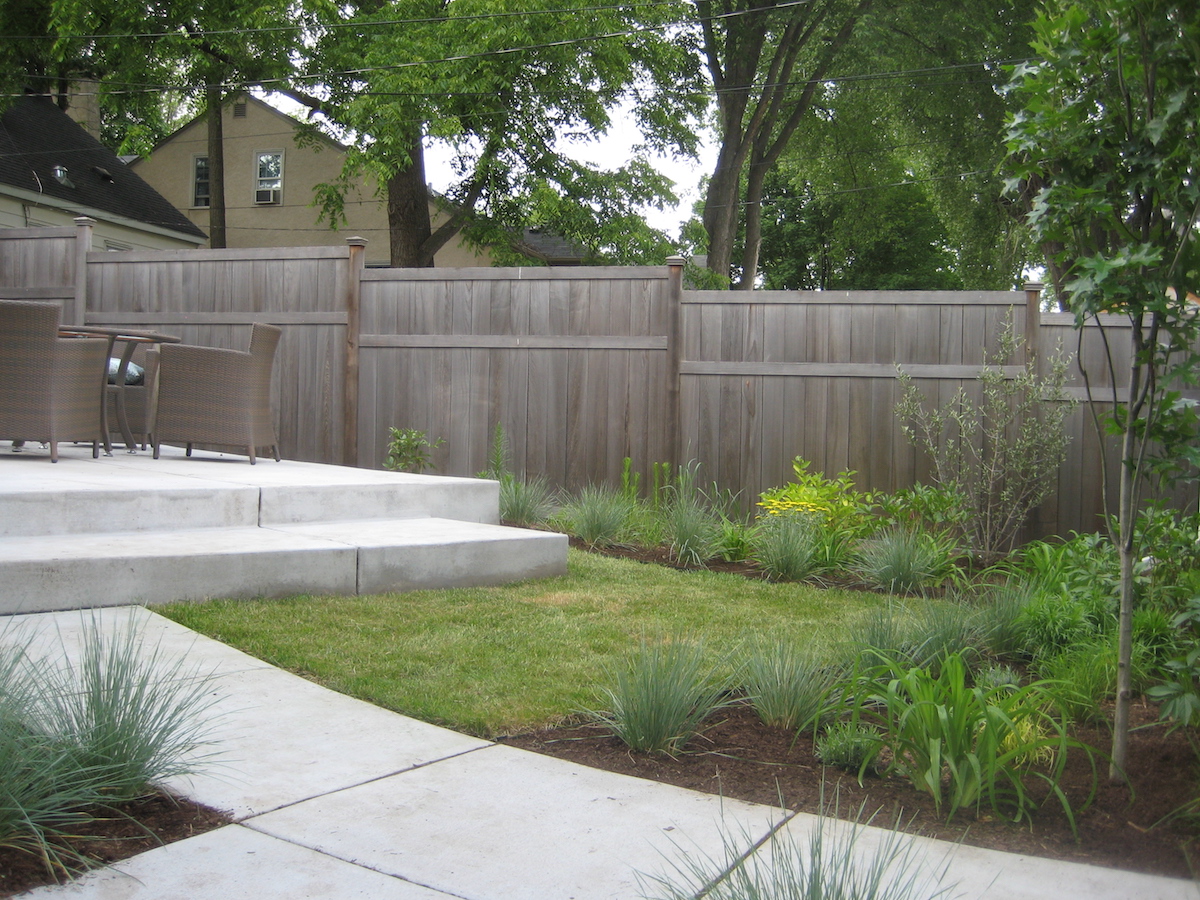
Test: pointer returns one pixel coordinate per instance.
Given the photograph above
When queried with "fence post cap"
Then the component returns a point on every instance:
(84, 220)
(676, 261)
(1034, 286)
(357, 241)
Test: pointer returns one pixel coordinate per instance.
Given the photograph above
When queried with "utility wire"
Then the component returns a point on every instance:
(434, 20)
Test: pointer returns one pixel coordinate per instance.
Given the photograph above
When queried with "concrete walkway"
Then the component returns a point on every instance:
(335, 798)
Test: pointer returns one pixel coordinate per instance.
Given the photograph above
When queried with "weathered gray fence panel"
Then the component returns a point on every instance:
(571, 363)
(769, 376)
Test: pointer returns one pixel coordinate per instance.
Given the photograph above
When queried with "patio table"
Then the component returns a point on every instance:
(131, 339)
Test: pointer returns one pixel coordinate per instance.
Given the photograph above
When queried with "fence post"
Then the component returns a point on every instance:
(353, 293)
(83, 246)
(1033, 325)
(1043, 519)
(675, 266)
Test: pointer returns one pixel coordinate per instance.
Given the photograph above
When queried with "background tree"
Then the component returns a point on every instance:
(201, 51)
(882, 237)
(1105, 150)
(508, 87)
(916, 82)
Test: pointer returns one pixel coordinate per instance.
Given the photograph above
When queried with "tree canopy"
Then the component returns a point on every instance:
(509, 87)
(916, 82)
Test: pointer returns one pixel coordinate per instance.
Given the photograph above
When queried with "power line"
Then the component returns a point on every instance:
(432, 20)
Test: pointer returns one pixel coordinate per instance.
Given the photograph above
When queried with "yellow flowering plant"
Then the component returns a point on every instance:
(835, 502)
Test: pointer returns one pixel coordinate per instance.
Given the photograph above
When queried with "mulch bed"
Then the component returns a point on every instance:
(114, 834)
(739, 757)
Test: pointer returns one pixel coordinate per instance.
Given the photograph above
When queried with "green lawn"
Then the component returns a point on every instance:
(495, 660)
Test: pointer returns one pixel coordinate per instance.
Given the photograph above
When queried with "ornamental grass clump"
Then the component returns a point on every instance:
(904, 560)
(788, 685)
(836, 860)
(789, 548)
(76, 737)
(599, 516)
(128, 710)
(525, 502)
(659, 698)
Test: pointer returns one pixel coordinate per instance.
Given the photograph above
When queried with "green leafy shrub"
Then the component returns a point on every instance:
(1171, 575)
(658, 700)
(965, 746)
(834, 502)
(408, 450)
(1051, 622)
(1002, 452)
(1085, 675)
(1156, 633)
(1082, 571)
(735, 539)
(851, 746)
(931, 507)
(902, 560)
(786, 684)
(1179, 691)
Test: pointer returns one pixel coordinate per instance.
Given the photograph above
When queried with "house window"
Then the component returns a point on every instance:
(268, 181)
(201, 192)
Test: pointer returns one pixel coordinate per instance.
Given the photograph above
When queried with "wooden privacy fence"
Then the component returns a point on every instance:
(580, 367)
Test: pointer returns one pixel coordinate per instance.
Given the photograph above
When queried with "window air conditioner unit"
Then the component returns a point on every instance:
(267, 196)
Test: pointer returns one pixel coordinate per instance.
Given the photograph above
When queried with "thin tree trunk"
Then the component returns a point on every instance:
(1126, 511)
(216, 170)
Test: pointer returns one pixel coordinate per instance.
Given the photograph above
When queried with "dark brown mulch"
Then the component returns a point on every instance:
(114, 834)
(740, 757)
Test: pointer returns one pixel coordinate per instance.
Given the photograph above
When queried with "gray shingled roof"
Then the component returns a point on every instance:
(36, 137)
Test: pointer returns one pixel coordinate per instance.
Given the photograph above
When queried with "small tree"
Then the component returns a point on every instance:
(1105, 153)
(1001, 453)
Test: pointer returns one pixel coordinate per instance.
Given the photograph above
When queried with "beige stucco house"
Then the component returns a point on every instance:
(269, 188)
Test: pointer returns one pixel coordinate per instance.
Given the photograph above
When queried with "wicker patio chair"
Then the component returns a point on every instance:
(217, 397)
(51, 388)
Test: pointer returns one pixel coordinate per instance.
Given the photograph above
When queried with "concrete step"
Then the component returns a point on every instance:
(67, 571)
(135, 493)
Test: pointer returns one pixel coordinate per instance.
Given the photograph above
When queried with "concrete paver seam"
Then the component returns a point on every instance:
(246, 820)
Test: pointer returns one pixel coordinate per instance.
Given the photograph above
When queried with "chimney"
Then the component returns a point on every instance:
(83, 105)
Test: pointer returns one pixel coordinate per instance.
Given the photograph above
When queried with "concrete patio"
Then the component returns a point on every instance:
(127, 528)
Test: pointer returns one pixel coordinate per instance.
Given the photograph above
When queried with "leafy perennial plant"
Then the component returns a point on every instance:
(966, 746)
